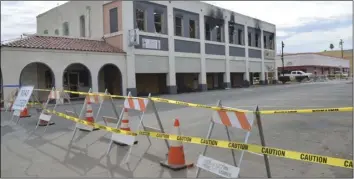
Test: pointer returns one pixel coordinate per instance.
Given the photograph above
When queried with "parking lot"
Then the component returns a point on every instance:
(51, 154)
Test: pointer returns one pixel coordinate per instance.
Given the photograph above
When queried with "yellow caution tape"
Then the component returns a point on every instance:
(306, 157)
(162, 100)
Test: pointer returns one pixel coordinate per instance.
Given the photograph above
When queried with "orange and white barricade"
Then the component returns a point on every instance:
(242, 120)
(87, 111)
(140, 105)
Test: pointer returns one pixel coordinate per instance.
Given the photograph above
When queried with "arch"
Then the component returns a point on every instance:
(77, 77)
(110, 77)
(38, 74)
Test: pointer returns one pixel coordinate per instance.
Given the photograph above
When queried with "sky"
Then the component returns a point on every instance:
(304, 26)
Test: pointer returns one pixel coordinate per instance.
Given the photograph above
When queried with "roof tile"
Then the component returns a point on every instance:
(63, 43)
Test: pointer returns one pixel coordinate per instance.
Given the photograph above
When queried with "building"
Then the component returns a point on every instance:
(180, 46)
(313, 63)
(347, 54)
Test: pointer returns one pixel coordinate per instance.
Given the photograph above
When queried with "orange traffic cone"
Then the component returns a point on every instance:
(176, 159)
(89, 114)
(125, 126)
(24, 113)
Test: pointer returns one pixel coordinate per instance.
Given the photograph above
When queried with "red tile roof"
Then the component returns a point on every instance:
(63, 43)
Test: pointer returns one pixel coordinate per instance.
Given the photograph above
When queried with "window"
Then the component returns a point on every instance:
(249, 39)
(257, 38)
(218, 33)
(48, 79)
(265, 41)
(45, 32)
(231, 33)
(239, 36)
(178, 26)
(56, 32)
(113, 20)
(271, 42)
(207, 31)
(140, 19)
(158, 22)
(82, 26)
(192, 29)
(66, 28)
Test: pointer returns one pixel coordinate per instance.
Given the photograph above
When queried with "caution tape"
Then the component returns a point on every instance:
(217, 108)
(306, 157)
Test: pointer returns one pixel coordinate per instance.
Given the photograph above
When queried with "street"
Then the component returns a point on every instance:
(36, 154)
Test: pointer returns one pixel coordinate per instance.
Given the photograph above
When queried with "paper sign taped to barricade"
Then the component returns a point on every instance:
(217, 167)
(84, 127)
(22, 98)
(121, 138)
(17, 112)
(45, 117)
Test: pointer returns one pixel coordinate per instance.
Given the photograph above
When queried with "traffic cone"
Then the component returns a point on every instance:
(89, 114)
(24, 113)
(125, 126)
(176, 159)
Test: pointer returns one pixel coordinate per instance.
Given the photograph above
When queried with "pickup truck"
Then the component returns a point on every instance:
(297, 75)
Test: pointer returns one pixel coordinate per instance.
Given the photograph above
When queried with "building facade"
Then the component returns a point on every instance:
(183, 46)
(313, 63)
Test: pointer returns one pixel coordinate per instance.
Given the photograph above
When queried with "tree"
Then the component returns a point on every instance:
(331, 46)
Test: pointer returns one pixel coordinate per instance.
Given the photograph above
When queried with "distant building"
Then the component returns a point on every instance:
(313, 63)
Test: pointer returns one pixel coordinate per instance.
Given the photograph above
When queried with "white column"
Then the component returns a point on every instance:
(262, 76)
(246, 76)
(202, 75)
(94, 80)
(58, 78)
(128, 22)
(227, 59)
(275, 55)
(171, 77)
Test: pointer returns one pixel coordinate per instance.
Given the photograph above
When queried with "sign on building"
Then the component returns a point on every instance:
(151, 43)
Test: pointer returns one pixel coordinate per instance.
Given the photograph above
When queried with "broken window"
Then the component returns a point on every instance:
(45, 31)
(231, 33)
(207, 31)
(257, 38)
(239, 36)
(65, 28)
(264, 41)
(82, 26)
(192, 29)
(178, 26)
(218, 33)
(140, 19)
(158, 22)
(249, 39)
(271, 42)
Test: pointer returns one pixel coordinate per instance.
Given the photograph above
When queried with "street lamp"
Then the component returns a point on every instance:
(282, 55)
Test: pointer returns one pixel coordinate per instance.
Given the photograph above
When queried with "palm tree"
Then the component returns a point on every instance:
(331, 46)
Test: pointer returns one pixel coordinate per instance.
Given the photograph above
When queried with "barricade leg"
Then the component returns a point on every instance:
(261, 135)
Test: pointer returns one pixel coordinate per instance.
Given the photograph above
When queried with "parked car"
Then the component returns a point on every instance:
(295, 75)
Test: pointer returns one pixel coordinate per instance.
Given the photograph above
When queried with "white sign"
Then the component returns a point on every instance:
(22, 98)
(133, 37)
(217, 167)
(151, 43)
(125, 139)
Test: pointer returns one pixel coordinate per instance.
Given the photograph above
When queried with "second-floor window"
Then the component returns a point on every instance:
(82, 26)
(178, 26)
(231, 33)
(56, 32)
(257, 40)
(66, 28)
(249, 39)
(207, 31)
(271, 42)
(218, 33)
(192, 29)
(140, 19)
(158, 22)
(113, 20)
(239, 36)
(264, 41)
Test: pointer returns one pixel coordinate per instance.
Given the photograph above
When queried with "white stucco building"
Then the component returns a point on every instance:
(313, 63)
(183, 46)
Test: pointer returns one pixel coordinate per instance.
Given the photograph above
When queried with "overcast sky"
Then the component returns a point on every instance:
(303, 26)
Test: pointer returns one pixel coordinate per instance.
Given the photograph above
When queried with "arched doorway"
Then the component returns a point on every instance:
(77, 77)
(110, 78)
(38, 75)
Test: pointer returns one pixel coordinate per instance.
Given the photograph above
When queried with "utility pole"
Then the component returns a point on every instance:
(341, 46)
(282, 55)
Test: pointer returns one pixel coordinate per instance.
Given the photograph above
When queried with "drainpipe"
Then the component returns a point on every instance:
(88, 17)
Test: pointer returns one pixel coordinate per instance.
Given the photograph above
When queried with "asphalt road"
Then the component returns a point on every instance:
(51, 154)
